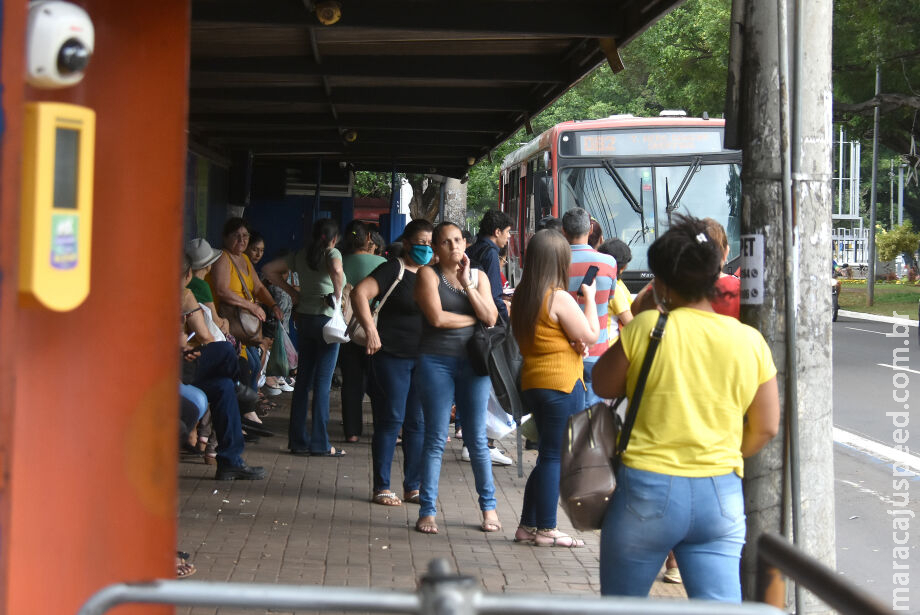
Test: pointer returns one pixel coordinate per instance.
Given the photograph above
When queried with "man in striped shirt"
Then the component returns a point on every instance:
(576, 225)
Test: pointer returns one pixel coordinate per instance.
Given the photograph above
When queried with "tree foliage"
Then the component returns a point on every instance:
(901, 239)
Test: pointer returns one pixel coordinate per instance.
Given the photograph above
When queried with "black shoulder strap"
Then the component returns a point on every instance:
(655, 336)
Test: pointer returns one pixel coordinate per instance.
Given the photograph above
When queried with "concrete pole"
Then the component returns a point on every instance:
(870, 280)
(891, 195)
(808, 264)
(761, 214)
(901, 194)
(812, 173)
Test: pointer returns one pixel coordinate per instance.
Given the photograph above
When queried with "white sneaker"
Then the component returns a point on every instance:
(284, 386)
(499, 458)
(271, 391)
(465, 454)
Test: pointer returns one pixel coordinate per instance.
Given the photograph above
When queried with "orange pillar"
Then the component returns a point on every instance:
(88, 398)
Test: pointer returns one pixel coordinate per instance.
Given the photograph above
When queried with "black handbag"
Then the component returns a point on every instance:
(591, 450)
(479, 347)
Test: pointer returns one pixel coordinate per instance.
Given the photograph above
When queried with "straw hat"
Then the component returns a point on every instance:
(201, 253)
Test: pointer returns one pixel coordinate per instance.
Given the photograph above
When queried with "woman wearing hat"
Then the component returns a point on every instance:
(202, 256)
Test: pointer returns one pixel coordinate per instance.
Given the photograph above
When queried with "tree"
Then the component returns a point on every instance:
(426, 197)
(373, 184)
(901, 239)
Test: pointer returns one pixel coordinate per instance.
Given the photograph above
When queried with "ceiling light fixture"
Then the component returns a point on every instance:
(328, 12)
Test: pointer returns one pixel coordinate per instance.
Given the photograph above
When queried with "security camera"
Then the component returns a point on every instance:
(59, 44)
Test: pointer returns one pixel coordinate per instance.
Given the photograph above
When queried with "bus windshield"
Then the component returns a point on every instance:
(632, 203)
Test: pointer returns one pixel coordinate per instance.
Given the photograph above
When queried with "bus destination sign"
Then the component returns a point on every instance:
(638, 143)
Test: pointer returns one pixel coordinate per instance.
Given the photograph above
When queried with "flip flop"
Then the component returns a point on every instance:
(330, 453)
(185, 570)
(386, 498)
(555, 538)
(413, 497)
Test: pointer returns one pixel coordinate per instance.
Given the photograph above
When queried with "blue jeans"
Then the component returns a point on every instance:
(254, 360)
(700, 519)
(590, 397)
(196, 396)
(316, 362)
(551, 410)
(395, 402)
(216, 374)
(442, 379)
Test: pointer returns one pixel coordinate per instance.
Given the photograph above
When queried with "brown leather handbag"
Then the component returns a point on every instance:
(243, 325)
(593, 442)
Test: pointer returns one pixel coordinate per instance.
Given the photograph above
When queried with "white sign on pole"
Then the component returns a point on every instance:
(752, 269)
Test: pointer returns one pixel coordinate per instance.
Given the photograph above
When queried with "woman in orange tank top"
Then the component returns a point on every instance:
(552, 332)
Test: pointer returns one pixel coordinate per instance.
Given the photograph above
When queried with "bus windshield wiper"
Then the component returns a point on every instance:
(670, 205)
(636, 205)
(627, 194)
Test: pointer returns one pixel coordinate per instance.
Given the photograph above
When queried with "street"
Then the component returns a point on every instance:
(874, 508)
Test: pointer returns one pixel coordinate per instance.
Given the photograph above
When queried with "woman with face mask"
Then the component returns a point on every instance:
(392, 344)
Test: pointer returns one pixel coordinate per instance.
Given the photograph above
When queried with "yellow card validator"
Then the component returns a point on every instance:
(57, 205)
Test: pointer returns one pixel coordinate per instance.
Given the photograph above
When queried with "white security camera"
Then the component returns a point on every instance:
(59, 43)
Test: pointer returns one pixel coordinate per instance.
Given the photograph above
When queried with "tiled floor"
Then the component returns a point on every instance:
(310, 522)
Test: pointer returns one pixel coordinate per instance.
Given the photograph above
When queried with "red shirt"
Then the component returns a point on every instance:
(728, 296)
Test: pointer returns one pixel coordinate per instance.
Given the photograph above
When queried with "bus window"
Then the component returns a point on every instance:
(626, 213)
(712, 191)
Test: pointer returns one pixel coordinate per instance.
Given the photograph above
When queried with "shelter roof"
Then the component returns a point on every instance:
(422, 85)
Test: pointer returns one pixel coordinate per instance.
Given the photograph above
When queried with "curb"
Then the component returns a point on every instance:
(877, 318)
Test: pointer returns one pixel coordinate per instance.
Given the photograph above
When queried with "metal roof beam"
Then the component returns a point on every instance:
(572, 18)
(397, 137)
(486, 99)
(447, 122)
(508, 69)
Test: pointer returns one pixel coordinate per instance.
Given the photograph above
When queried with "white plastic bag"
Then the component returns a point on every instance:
(498, 422)
(334, 330)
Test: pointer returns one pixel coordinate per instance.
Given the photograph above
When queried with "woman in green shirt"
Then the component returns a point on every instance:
(319, 267)
(359, 261)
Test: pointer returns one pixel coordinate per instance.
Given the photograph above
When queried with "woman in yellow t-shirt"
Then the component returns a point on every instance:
(619, 313)
(710, 400)
(552, 333)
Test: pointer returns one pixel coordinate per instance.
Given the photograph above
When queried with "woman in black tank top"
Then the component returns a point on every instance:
(452, 297)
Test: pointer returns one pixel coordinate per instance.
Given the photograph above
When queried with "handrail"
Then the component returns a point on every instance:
(440, 593)
(776, 554)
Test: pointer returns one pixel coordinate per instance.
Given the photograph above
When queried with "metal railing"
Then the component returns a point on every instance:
(776, 557)
(440, 593)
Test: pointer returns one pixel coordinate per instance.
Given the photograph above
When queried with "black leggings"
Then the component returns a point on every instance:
(353, 360)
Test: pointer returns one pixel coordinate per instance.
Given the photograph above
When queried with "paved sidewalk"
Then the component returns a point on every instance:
(310, 522)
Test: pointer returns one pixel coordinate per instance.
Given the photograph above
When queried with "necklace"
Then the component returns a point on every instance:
(450, 286)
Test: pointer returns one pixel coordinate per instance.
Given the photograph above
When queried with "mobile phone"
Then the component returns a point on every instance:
(589, 277)
(190, 350)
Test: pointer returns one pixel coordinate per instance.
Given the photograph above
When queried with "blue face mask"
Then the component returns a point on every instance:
(421, 254)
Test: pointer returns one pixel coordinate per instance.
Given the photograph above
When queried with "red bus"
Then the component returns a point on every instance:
(631, 174)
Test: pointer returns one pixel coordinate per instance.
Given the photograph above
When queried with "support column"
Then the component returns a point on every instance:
(812, 173)
(761, 214)
(455, 201)
(806, 263)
